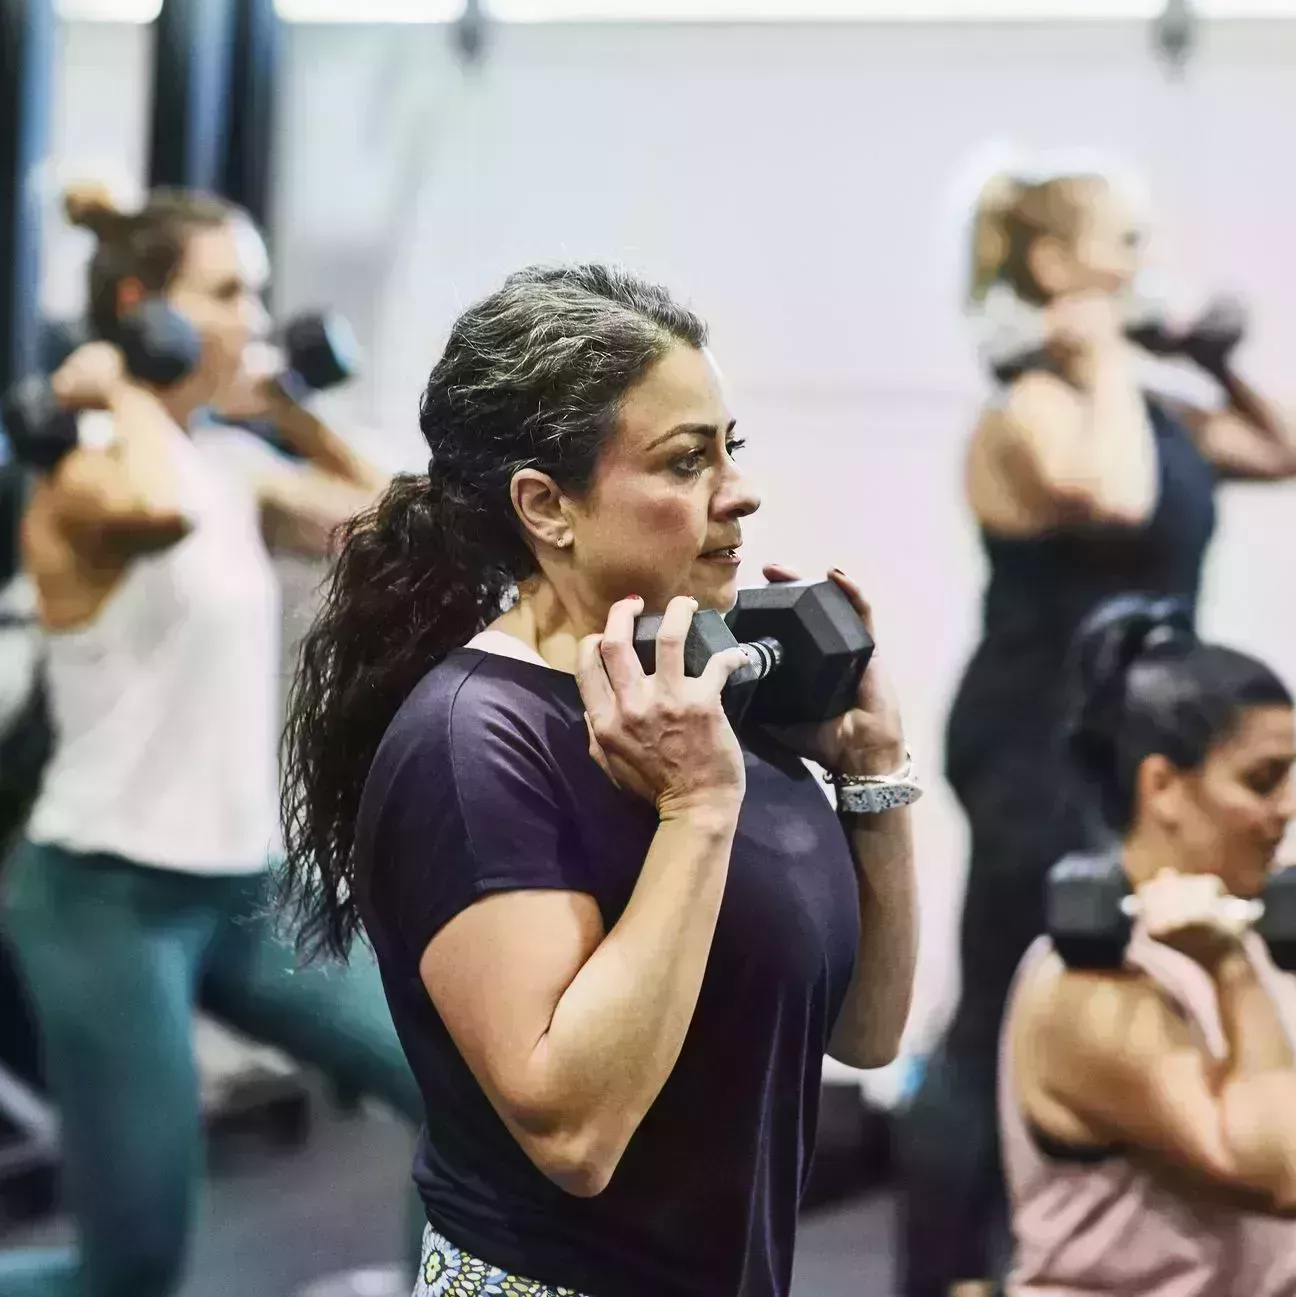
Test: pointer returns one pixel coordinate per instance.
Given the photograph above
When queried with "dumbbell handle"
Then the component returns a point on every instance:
(1237, 909)
(763, 657)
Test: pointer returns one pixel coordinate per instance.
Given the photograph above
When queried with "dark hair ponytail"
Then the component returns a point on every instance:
(1143, 684)
(531, 377)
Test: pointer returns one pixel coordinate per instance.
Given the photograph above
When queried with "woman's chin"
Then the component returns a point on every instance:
(718, 590)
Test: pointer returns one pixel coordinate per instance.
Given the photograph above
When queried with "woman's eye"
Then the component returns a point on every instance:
(1268, 779)
(692, 464)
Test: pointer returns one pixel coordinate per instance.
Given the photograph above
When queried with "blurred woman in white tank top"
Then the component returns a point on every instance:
(1148, 1114)
(140, 890)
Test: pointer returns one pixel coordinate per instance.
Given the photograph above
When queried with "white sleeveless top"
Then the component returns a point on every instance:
(165, 706)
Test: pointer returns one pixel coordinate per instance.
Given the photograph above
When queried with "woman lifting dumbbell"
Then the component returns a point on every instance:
(1148, 1081)
(141, 885)
(1083, 486)
(617, 935)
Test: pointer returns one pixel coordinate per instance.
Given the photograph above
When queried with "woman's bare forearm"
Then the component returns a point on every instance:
(1115, 456)
(317, 443)
(872, 1019)
(1253, 408)
(1258, 1083)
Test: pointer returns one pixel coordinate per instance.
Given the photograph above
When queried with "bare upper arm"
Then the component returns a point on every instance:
(92, 495)
(1236, 448)
(303, 507)
(1021, 474)
(1111, 1054)
(496, 973)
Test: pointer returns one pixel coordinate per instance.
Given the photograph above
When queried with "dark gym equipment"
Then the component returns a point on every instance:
(159, 347)
(1089, 912)
(193, 43)
(708, 635)
(39, 429)
(806, 648)
(321, 352)
(26, 60)
(245, 167)
(1209, 341)
(825, 648)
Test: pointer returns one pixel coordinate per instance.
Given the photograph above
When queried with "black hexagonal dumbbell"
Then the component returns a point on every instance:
(159, 347)
(708, 635)
(1087, 911)
(823, 649)
(1090, 911)
(806, 648)
(320, 352)
(1277, 925)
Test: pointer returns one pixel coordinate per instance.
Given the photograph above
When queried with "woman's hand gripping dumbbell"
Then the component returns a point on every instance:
(811, 677)
(1091, 911)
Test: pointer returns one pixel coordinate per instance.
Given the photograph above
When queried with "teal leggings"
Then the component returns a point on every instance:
(115, 957)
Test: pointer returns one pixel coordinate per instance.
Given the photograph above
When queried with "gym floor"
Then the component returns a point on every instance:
(276, 1219)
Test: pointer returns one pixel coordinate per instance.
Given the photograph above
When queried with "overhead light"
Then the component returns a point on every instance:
(108, 11)
(1245, 8)
(369, 11)
(594, 11)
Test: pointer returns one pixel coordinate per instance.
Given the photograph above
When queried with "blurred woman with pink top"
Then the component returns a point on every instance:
(1148, 1112)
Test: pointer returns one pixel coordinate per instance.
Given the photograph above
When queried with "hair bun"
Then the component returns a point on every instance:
(89, 205)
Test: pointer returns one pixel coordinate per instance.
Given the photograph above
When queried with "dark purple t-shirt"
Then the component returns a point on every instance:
(484, 784)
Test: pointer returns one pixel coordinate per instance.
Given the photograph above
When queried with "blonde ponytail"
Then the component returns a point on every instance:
(991, 243)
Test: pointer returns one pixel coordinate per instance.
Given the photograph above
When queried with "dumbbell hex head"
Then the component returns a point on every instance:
(708, 635)
(160, 346)
(322, 351)
(826, 648)
(39, 430)
(1277, 925)
(1084, 910)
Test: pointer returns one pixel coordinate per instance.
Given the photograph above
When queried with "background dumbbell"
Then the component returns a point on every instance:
(320, 351)
(1090, 911)
(806, 648)
(159, 347)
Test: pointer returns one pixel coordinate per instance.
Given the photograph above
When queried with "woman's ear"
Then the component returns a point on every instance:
(130, 293)
(1160, 791)
(541, 507)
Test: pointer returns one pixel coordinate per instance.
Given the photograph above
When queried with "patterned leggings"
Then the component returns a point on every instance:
(447, 1271)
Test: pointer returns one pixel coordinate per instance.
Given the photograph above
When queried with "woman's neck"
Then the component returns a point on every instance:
(1145, 855)
(544, 622)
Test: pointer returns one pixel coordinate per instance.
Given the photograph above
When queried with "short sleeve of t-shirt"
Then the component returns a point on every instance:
(465, 799)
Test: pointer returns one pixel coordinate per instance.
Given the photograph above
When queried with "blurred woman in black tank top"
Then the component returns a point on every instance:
(1084, 485)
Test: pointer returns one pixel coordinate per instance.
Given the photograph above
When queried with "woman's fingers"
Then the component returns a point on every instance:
(855, 595)
(622, 664)
(595, 688)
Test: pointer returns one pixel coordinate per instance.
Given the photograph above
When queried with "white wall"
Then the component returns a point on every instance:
(792, 182)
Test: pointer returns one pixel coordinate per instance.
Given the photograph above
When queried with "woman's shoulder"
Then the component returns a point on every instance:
(1077, 1017)
(474, 703)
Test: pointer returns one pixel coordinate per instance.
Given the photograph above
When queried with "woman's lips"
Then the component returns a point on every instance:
(729, 557)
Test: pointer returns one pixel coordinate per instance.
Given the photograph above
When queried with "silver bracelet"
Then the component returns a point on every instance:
(875, 794)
